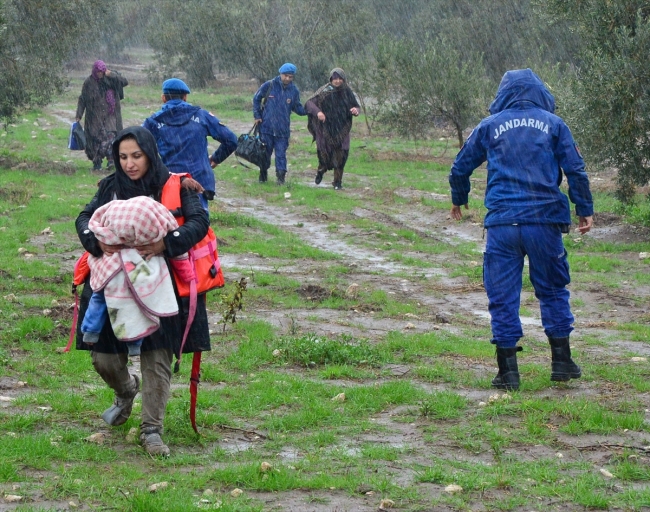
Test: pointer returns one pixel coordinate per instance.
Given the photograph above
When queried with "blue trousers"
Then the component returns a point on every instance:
(96, 314)
(280, 145)
(95, 318)
(503, 263)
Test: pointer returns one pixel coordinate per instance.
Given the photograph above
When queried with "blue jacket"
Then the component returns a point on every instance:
(280, 102)
(526, 147)
(181, 131)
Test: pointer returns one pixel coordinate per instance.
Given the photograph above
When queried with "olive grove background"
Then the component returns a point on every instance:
(415, 64)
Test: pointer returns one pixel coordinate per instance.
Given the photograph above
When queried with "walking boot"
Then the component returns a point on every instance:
(562, 366)
(152, 442)
(319, 175)
(119, 412)
(280, 175)
(508, 376)
(263, 175)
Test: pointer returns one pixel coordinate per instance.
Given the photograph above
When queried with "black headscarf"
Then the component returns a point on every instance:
(335, 103)
(152, 182)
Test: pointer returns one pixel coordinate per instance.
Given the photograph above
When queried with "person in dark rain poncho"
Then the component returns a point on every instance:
(181, 132)
(100, 102)
(330, 113)
(140, 173)
(526, 147)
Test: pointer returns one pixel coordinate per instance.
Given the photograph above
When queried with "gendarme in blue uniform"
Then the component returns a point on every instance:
(181, 131)
(526, 147)
(275, 129)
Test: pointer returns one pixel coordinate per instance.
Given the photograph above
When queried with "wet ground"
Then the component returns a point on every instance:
(448, 303)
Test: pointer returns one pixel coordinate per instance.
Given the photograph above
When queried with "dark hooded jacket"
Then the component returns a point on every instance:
(526, 147)
(181, 132)
(119, 186)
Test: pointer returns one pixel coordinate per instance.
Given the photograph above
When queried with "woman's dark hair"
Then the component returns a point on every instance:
(152, 182)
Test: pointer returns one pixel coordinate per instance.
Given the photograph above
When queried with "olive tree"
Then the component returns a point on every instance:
(431, 82)
(611, 114)
(256, 37)
(37, 36)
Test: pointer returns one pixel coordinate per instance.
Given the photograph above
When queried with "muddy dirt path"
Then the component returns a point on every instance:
(449, 300)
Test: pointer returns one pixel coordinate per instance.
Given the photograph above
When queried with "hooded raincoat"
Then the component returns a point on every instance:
(181, 132)
(526, 147)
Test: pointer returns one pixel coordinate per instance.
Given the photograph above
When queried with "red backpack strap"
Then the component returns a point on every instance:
(190, 319)
(80, 273)
(194, 387)
(75, 317)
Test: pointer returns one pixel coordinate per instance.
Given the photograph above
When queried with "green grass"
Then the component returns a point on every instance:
(272, 387)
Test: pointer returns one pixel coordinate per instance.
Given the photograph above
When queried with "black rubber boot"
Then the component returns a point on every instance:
(508, 376)
(280, 175)
(263, 175)
(319, 176)
(562, 366)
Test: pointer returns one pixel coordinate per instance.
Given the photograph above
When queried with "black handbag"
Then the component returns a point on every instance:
(251, 148)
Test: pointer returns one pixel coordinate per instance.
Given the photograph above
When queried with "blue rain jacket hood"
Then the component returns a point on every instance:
(180, 130)
(522, 85)
(526, 147)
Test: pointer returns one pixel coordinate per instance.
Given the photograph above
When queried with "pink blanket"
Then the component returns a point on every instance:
(137, 292)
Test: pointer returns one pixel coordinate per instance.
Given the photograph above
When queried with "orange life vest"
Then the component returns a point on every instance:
(204, 255)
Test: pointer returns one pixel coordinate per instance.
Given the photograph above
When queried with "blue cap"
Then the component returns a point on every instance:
(175, 86)
(288, 69)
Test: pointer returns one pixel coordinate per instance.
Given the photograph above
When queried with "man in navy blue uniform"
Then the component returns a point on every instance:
(181, 131)
(272, 106)
(526, 147)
